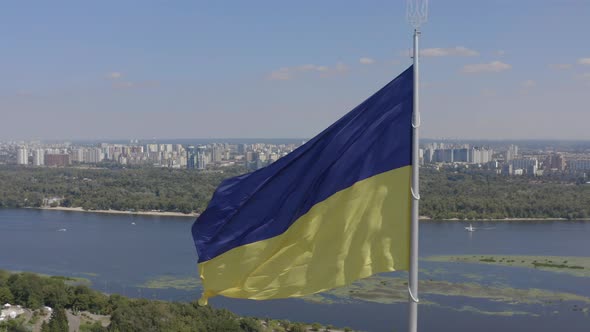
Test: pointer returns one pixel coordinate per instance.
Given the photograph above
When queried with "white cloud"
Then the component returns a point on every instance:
(310, 67)
(500, 53)
(561, 66)
(492, 67)
(366, 61)
(585, 76)
(282, 74)
(529, 84)
(584, 61)
(114, 75)
(287, 73)
(452, 51)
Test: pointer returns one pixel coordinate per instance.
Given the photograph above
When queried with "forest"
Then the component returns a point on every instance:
(34, 291)
(136, 189)
(445, 193)
(479, 194)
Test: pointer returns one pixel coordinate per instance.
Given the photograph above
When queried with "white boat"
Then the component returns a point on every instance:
(133, 223)
(470, 228)
(62, 230)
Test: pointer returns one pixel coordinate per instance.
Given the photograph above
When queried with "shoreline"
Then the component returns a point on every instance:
(192, 215)
(423, 218)
(137, 213)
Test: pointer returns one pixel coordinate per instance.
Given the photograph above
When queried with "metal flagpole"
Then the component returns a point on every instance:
(417, 11)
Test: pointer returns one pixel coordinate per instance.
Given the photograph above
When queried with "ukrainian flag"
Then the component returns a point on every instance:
(335, 210)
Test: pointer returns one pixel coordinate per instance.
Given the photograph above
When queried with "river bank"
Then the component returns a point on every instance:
(425, 218)
(180, 214)
(139, 213)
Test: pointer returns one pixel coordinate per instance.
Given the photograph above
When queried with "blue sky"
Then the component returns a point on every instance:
(181, 69)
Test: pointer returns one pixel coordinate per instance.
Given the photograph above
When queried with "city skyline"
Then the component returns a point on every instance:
(255, 155)
(501, 70)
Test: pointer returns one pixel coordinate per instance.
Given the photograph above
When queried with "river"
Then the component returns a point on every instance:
(154, 257)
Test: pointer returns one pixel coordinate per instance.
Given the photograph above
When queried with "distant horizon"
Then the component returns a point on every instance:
(220, 139)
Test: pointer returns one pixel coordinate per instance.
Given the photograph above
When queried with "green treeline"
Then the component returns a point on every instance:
(33, 291)
(138, 189)
(446, 193)
(474, 194)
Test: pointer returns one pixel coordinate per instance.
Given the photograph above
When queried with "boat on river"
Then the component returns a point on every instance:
(470, 228)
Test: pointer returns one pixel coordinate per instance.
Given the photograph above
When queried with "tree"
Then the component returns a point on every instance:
(55, 294)
(298, 327)
(13, 326)
(6, 295)
(59, 320)
(250, 325)
(26, 289)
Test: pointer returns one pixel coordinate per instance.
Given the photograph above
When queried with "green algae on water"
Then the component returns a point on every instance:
(572, 265)
(163, 282)
(388, 290)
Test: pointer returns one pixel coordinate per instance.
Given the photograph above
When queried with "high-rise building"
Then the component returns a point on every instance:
(191, 157)
(202, 159)
(532, 170)
(579, 165)
(106, 152)
(554, 161)
(481, 155)
(217, 153)
(241, 148)
(462, 155)
(251, 156)
(152, 148)
(93, 155)
(512, 152)
(38, 157)
(22, 156)
(165, 147)
(57, 159)
(524, 163)
(428, 155)
(77, 155)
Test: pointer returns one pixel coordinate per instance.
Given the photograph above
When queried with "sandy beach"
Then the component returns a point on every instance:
(142, 213)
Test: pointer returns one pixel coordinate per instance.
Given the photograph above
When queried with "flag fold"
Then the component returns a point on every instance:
(335, 210)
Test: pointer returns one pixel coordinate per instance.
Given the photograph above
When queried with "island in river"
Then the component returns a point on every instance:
(446, 194)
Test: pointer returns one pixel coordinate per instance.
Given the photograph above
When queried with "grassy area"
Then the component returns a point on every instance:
(389, 290)
(163, 282)
(573, 265)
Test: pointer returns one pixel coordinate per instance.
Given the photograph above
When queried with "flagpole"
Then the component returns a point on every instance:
(413, 282)
(417, 13)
